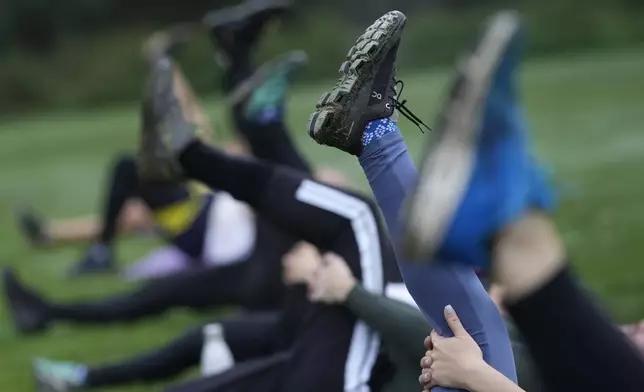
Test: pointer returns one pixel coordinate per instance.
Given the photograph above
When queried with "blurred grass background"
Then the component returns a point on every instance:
(585, 111)
(70, 73)
(86, 53)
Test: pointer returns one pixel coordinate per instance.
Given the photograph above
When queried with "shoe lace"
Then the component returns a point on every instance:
(404, 110)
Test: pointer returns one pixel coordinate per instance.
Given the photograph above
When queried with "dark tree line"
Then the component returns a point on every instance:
(38, 25)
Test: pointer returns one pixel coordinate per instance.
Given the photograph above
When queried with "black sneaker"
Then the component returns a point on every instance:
(238, 27)
(32, 226)
(29, 312)
(172, 118)
(366, 90)
(99, 259)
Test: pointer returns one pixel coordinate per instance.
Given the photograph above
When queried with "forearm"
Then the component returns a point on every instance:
(398, 324)
(487, 379)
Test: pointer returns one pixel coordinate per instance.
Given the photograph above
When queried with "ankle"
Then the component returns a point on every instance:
(527, 255)
(376, 129)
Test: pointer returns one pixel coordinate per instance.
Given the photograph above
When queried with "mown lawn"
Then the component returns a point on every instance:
(587, 114)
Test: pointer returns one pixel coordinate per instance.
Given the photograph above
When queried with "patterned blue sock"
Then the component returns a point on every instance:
(378, 128)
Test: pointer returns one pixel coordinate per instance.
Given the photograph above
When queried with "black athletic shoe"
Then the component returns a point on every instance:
(366, 90)
(172, 118)
(29, 312)
(32, 226)
(99, 259)
(239, 26)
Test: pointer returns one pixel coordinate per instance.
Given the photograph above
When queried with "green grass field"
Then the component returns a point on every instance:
(587, 116)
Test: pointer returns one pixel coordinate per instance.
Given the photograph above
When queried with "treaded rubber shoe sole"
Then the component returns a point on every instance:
(172, 119)
(449, 163)
(331, 123)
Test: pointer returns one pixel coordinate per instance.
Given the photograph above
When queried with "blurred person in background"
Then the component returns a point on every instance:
(124, 214)
(358, 116)
(330, 218)
(293, 203)
(562, 327)
(43, 233)
(132, 217)
(481, 197)
(495, 215)
(242, 250)
(246, 336)
(477, 181)
(257, 107)
(342, 222)
(254, 337)
(486, 239)
(251, 335)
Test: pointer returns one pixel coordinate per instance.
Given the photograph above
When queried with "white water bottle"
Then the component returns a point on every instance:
(215, 356)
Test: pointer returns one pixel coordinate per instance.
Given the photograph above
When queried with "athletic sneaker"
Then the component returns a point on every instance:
(171, 117)
(55, 376)
(32, 226)
(29, 312)
(479, 175)
(237, 27)
(99, 259)
(266, 89)
(366, 89)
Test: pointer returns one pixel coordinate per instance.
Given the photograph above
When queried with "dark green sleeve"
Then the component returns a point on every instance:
(399, 325)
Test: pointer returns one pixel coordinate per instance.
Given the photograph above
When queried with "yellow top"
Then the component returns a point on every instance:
(177, 217)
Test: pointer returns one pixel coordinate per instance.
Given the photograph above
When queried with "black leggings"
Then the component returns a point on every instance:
(270, 142)
(574, 345)
(122, 186)
(253, 284)
(332, 220)
(248, 335)
(264, 373)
